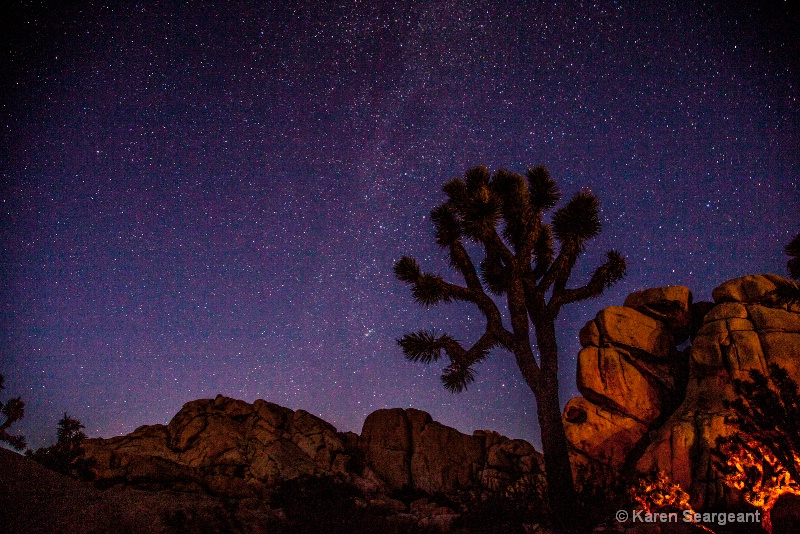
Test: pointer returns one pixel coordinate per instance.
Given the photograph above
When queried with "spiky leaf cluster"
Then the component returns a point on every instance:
(476, 179)
(579, 220)
(544, 192)
(472, 204)
(480, 202)
(516, 210)
(480, 215)
(456, 191)
(460, 373)
(429, 290)
(427, 346)
(480, 205)
(448, 227)
(424, 346)
(456, 377)
(13, 410)
(407, 269)
(495, 275)
(612, 271)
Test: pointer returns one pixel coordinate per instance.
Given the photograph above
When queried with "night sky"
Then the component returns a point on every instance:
(200, 200)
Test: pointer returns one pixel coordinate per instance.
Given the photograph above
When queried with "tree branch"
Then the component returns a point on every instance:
(461, 261)
(550, 276)
(459, 373)
(603, 277)
(520, 325)
(494, 245)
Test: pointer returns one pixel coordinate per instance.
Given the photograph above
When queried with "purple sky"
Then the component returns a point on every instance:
(200, 200)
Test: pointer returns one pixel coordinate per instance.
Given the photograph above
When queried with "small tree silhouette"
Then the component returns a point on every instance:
(13, 410)
(65, 456)
(521, 265)
(788, 291)
(793, 251)
(763, 458)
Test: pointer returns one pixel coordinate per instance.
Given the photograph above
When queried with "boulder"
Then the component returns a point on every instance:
(34, 499)
(645, 405)
(386, 442)
(317, 439)
(699, 311)
(408, 448)
(682, 446)
(589, 335)
(629, 328)
(230, 447)
(751, 288)
(739, 334)
(507, 460)
(727, 340)
(671, 305)
(600, 434)
(608, 378)
(443, 459)
(278, 461)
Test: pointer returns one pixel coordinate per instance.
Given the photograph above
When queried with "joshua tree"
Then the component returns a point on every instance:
(13, 411)
(504, 215)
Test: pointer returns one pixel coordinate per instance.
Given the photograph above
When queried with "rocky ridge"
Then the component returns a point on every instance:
(232, 448)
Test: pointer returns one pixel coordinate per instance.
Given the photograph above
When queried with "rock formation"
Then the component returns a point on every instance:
(229, 447)
(648, 406)
(224, 445)
(406, 448)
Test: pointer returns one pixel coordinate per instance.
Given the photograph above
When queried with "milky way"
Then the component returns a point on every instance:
(200, 200)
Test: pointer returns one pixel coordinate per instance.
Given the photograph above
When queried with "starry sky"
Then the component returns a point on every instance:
(202, 199)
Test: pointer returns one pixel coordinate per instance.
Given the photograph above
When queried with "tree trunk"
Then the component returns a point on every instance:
(560, 486)
(558, 471)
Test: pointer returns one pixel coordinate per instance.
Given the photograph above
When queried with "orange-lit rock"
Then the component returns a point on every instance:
(751, 288)
(629, 328)
(600, 434)
(747, 329)
(608, 377)
(671, 305)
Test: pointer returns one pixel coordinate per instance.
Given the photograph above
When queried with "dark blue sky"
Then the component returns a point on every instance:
(201, 200)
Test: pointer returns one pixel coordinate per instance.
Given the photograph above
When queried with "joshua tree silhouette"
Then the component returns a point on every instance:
(503, 213)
